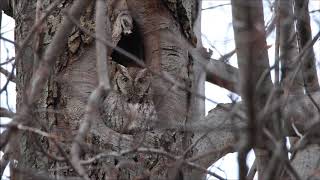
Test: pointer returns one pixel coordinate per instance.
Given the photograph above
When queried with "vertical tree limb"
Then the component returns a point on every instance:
(276, 162)
(103, 31)
(304, 158)
(4, 161)
(38, 39)
(11, 77)
(92, 108)
(6, 113)
(309, 71)
(250, 40)
(289, 50)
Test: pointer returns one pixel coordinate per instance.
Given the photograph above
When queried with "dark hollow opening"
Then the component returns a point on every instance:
(132, 43)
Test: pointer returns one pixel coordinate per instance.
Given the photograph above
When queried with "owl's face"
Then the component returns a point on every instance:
(132, 83)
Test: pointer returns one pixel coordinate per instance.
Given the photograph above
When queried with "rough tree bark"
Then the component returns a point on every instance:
(60, 107)
(304, 161)
(171, 50)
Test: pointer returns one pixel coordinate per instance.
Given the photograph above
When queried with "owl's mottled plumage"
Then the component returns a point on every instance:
(129, 107)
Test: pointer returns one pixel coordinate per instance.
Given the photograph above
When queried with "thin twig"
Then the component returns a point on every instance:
(279, 154)
(27, 128)
(213, 7)
(297, 63)
(4, 88)
(6, 113)
(8, 40)
(4, 161)
(294, 127)
(104, 87)
(50, 155)
(151, 151)
(194, 144)
(314, 11)
(252, 170)
(38, 39)
(90, 114)
(10, 77)
(170, 156)
(8, 61)
(312, 99)
(102, 30)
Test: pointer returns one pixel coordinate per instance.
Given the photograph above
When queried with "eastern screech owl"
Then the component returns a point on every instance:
(129, 107)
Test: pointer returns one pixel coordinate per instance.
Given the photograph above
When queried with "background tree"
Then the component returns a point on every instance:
(57, 131)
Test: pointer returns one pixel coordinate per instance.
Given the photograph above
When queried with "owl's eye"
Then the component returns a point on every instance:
(125, 22)
(125, 79)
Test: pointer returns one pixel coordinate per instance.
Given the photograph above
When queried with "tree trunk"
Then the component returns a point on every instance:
(60, 107)
(166, 37)
(304, 161)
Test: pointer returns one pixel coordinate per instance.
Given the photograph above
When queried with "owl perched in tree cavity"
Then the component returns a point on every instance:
(129, 107)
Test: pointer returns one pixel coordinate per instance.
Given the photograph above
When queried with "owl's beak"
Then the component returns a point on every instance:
(134, 99)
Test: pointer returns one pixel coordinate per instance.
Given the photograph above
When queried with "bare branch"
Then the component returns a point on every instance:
(253, 62)
(8, 74)
(4, 139)
(38, 37)
(8, 61)
(102, 30)
(187, 162)
(91, 114)
(8, 40)
(217, 6)
(278, 158)
(95, 97)
(168, 155)
(208, 145)
(293, 112)
(252, 170)
(303, 28)
(223, 75)
(4, 88)
(288, 49)
(314, 11)
(6, 113)
(4, 162)
(218, 72)
(30, 129)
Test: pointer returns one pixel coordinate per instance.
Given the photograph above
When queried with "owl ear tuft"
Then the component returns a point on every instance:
(143, 73)
(123, 70)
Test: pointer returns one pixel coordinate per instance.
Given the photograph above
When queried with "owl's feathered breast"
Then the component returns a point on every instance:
(125, 117)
